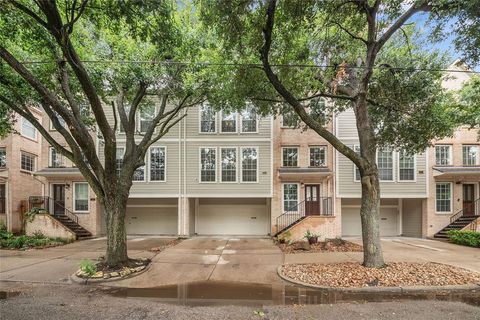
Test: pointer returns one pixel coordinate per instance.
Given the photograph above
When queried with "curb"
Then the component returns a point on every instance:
(400, 289)
(78, 280)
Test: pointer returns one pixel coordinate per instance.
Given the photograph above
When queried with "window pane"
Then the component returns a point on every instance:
(119, 159)
(229, 122)
(3, 158)
(157, 164)
(28, 129)
(406, 167)
(249, 120)
(208, 165)
(442, 155)
(147, 113)
(317, 157)
(81, 197)
(207, 118)
(385, 164)
(443, 197)
(290, 197)
(229, 164)
(127, 110)
(139, 174)
(290, 157)
(357, 171)
(470, 155)
(56, 159)
(28, 162)
(249, 164)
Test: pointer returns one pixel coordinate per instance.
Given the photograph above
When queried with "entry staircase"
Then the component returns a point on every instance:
(461, 219)
(295, 214)
(63, 215)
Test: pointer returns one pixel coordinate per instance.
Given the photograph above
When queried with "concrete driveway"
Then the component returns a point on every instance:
(212, 259)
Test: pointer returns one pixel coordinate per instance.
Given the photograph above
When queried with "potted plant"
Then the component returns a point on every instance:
(311, 237)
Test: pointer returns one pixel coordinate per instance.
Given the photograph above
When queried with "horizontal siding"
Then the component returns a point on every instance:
(346, 125)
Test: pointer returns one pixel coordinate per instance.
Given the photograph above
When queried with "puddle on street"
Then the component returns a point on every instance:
(209, 293)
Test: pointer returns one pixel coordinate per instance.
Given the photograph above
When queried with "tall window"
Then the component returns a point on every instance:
(249, 164)
(56, 159)
(406, 166)
(27, 162)
(357, 177)
(443, 155)
(385, 164)
(146, 115)
(3, 158)
(443, 197)
(207, 119)
(28, 130)
(290, 197)
(127, 111)
(80, 196)
(208, 164)
(290, 120)
(470, 155)
(119, 159)
(249, 120)
(229, 122)
(139, 174)
(229, 164)
(60, 120)
(317, 156)
(290, 157)
(157, 164)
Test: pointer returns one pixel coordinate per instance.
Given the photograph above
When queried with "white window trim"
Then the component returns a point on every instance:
(298, 154)
(451, 198)
(241, 164)
(138, 124)
(256, 124)
(324, 147)
(74, 198)
(283, 196)
(477, 159)
(200, 122)
(450, 155)
(414, 169)
(149, 161)
(50, 158)
(355, 146)
(35, 161)
(236, 123)
(236, 164)
(200, 164)
(25, 136)
(394, 167)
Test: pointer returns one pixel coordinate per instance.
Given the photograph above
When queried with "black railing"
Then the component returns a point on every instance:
(473, 209)
(296, 212)
(51, 206)
(3, 205)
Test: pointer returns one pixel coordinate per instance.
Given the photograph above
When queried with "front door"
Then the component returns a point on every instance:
(312, 199)
(58, 199)
(3, 199)
(468, 198)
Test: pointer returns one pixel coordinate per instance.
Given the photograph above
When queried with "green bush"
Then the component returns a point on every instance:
(88, 267)
(8, 240)
(466, 238)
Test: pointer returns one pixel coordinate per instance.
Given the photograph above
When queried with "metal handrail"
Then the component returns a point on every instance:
(461, 213)
(298, 211)
(48, 204)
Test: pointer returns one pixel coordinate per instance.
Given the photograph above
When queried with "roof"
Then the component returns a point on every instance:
(459, 170)
(49, 172)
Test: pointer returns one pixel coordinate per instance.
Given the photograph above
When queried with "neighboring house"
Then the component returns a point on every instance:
(19, 158)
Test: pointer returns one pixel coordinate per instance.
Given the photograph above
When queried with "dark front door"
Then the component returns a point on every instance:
(312, 199)
(58, 199)
(468, 198)
(3, 198)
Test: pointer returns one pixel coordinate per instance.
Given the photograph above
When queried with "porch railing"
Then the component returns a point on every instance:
(472, 209)
(49, 204)
(302, 209)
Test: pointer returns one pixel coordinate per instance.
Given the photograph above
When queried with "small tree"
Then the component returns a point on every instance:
(69, 58)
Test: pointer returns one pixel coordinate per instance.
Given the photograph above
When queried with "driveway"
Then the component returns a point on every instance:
(212, 259)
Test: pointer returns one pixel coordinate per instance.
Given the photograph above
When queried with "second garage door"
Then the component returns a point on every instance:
(232, 217)
(351, 225)
(152, 220)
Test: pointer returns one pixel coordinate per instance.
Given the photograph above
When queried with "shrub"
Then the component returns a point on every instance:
(466, 238)
(88, 267)
(38, 234)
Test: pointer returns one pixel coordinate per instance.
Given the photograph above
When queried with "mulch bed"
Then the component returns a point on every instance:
(330, 245)
(351, 274)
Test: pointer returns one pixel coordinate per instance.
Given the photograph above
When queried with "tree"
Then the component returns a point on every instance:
(361, 54)
(69, 58)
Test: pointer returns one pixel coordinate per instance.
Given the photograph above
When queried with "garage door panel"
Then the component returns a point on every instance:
(351, 224)
(232, 219)
(155, 221)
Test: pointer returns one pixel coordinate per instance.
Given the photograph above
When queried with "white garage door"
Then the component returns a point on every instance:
(152, 220)
(351, 225)
(233, 219)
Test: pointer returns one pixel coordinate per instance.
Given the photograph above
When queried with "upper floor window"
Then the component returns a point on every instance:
(443, 155)
(290, 157)
(249, 164)
(27, 162)
(290, 197)
(443, 197)
(56, 159)
(470, 155)
(60, 120)
(207, 119)
(28, 130)
(229, 122)
(146, 115)
(126, 106)
(208, 164)
(229, 164)
(290, 120)
(249, 120)
(119, 159)
(406, 166)
(157, 164)
(3, 158)
(385, 164)
(139, 174)
(318, 156)
(357, 176)
(80, 196)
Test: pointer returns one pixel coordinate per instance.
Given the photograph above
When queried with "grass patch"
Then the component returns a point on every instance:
(465, 238)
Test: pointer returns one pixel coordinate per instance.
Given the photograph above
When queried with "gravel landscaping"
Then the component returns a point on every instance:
(329, 245)
(351, 274)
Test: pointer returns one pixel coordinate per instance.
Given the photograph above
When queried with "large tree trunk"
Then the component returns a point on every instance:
(370, 218)
(115, 209)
